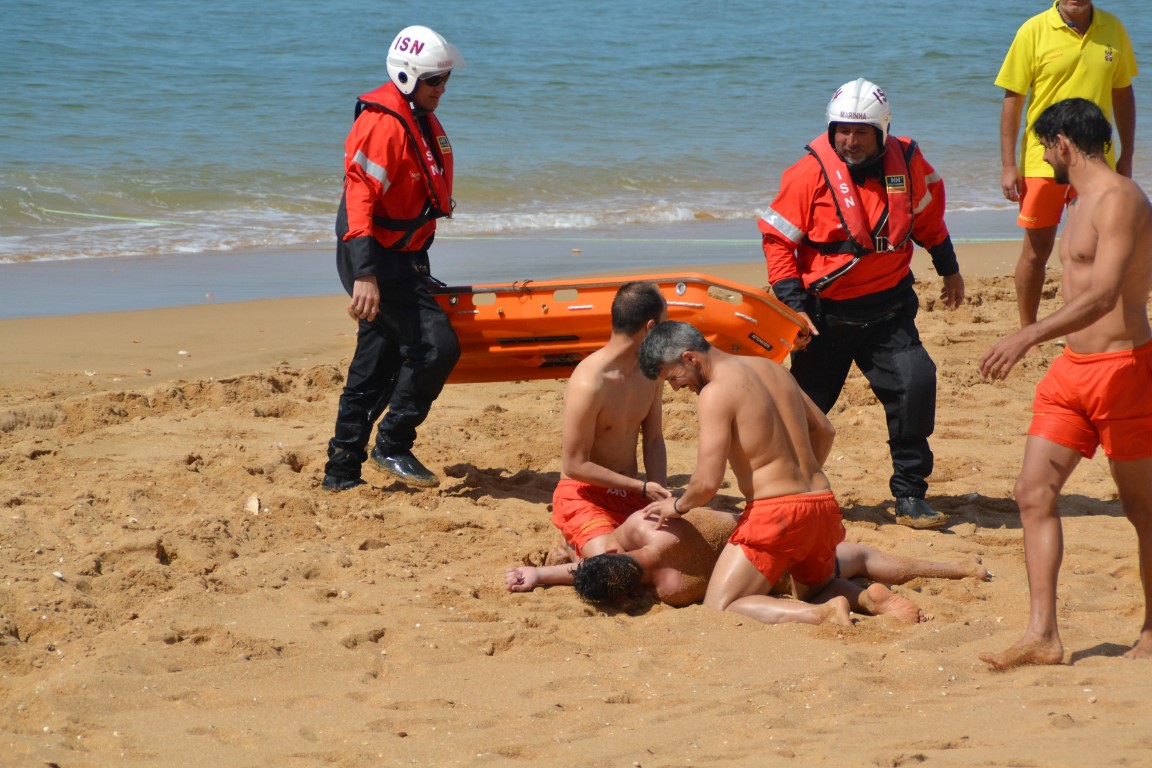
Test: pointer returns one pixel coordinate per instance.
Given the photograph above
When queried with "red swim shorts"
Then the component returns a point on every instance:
(582, 511)
(797, 533)
(1042, 202)
(1102, 399)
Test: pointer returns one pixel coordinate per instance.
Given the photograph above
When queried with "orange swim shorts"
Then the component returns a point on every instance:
(1089, 400)
(1042, 202)
(796, 533)
(582, 511)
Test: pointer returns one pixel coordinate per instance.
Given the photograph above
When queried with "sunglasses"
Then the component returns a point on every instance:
(436, 80)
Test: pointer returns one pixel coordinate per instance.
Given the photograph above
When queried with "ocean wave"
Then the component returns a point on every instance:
(59, 235)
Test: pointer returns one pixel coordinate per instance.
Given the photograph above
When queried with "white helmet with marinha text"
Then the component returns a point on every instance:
(860, 101)
(418, 52)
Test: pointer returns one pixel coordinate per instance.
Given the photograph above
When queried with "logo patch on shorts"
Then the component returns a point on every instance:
(445, 147)
(896, 183)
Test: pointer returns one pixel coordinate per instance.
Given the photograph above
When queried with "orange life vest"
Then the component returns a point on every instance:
(840, 240)
(418, 188)
(896, 221)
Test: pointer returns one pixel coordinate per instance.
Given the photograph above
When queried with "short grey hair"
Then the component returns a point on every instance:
(665, 344)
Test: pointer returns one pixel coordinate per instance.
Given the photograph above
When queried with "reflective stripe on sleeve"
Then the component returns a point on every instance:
(924, 202)
(375, 170)
(783, 226)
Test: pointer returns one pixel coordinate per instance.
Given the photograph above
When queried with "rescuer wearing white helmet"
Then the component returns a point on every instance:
(418, 52)
(860, 102)
(838, 239)
(397, 182)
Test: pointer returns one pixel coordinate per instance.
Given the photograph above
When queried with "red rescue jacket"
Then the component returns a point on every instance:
(845, 241)
(396, 183)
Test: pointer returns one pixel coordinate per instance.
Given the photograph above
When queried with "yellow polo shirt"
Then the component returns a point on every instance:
(1051, 59)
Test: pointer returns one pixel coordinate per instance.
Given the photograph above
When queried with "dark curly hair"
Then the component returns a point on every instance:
(1078, 119)
(607, 577)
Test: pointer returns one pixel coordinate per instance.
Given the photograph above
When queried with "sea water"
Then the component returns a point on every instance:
(146, 128)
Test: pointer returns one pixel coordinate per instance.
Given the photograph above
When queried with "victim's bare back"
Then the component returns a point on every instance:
(607, 404)
(679, 555)
(1108, 238)
(753, 413)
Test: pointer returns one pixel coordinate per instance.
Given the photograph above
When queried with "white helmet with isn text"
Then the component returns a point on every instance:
(418, 52)
(860, 101)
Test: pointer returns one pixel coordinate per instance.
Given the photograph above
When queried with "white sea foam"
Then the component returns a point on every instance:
(215, 131)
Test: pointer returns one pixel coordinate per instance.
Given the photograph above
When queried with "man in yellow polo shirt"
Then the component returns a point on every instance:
(1072, 49)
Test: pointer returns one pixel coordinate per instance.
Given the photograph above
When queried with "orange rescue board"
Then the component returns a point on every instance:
(540, 329)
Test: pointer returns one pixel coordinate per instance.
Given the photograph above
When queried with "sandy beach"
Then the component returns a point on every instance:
(176, 590)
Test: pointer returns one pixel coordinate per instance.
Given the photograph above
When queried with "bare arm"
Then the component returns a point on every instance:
(1115, 252)
(1124, 109)
(714, 411)
(653, 449)
(1010, 112)
(821, 433)
(525, 578)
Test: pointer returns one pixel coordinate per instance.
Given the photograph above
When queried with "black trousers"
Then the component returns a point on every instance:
(402, 359)
(900, 372)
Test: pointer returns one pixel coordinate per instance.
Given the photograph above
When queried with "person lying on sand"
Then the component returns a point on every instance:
(674, 561)
(609, 407)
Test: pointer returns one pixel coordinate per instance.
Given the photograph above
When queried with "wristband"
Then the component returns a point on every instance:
(675, 503)
(644, 489)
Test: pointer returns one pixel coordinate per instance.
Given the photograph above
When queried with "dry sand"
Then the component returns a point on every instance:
(177, 591)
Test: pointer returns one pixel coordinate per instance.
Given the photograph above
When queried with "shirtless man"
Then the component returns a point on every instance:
(754, 416)
(1096, 392)
(675, 560)
(609, 406)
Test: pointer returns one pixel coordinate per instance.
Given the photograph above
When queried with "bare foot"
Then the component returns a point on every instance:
(1026, 651)
(979, 571)
(837, 611)
(559, 552)
(878, 600)
(1143, 647)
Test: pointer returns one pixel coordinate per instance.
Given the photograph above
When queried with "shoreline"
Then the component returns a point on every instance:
(220, 338)
(130, 283)
(216, 338)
